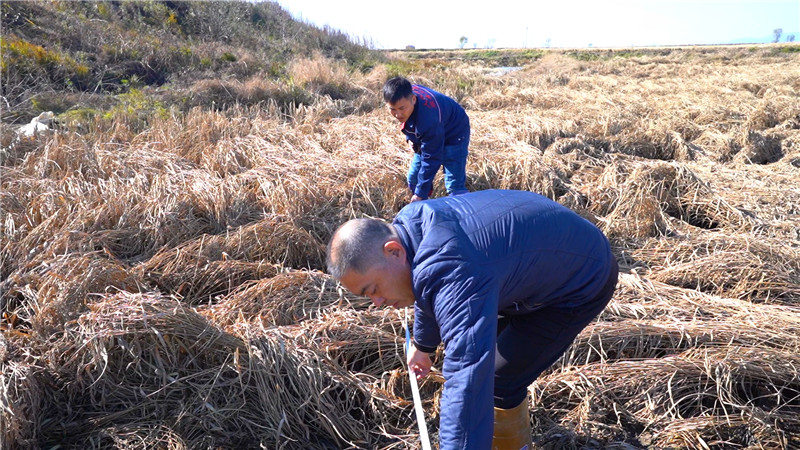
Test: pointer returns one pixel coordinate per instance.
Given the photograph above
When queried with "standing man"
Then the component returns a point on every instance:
(505, 279)
(437, 129)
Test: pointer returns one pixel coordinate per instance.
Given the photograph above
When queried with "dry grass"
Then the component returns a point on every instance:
(644, 198)
(207, 266)
(161, 288)
(755, 385)
(736, 265)
(366, 342)
(285, 299)
(137, 356)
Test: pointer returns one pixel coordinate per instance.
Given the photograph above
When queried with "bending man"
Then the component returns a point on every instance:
(437, 130)
(505, 279)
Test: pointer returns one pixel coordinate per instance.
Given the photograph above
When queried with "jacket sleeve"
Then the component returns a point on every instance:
(432, 152)
(466, 311)
(426, 331)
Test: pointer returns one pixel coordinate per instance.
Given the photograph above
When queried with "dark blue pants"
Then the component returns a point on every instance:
(528, 344)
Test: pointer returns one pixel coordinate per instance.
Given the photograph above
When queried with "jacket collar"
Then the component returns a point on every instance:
(407, 241)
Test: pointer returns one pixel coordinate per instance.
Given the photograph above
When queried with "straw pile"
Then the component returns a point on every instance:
(207, 266)
(147, 356)
(285, 299)
(675, 368)
(161, 287)
(368, 342)
(757, 386)
(754, 268)
(643, 199)
(57, 290)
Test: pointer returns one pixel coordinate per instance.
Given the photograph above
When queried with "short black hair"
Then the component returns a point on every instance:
(395, 89)
(359, 248)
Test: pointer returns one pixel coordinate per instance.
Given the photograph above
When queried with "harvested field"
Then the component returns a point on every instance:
(162, 286)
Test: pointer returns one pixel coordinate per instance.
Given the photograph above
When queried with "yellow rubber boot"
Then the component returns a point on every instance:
(512, 428)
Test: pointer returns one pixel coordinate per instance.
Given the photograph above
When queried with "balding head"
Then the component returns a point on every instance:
(358, 245)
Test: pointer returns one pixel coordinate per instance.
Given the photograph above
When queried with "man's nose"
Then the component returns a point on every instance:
(378, 301)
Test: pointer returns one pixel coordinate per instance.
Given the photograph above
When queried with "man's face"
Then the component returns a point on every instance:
(386, 284)
(402, 109)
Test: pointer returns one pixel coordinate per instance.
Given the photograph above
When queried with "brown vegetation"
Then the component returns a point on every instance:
(162, 284)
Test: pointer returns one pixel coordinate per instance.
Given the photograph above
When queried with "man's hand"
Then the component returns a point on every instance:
(419, 362)
(416, 198)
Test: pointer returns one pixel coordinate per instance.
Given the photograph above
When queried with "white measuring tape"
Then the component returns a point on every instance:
(423, 428)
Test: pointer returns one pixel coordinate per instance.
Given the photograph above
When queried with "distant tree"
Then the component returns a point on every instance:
(547, 42)
(410, 47)
(463, 41)
(777, 32)
(789, 38)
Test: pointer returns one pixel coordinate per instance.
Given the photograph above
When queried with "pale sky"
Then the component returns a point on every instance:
(566, 23)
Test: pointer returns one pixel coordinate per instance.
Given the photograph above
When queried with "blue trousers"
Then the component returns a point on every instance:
(454, 163)
(528, 344)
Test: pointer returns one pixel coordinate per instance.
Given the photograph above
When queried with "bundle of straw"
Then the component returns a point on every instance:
(716, 432)
(216, 264)
(285, 299)
(740, 265)
(759, 148)
(647, 339)
(641, 298)
(57, 290)
(368, 342)
(737, 275)
(143, 362)
(202, 281)
(641, 202)
(723, 383)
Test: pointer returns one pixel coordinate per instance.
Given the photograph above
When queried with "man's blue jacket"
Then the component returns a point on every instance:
(437, 120)
(478, 254)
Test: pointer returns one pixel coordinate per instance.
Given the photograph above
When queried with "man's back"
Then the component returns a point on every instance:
(436, 114)
(537, 251)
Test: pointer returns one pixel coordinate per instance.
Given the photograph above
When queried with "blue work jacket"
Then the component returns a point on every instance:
(475, 255)
(437, 120)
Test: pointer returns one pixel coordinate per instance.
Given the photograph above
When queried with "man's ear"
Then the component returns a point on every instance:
(393, 248)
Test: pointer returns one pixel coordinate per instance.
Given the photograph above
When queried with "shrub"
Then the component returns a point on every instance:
(22, 60)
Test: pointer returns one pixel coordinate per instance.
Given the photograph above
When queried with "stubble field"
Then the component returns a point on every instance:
(163, 287)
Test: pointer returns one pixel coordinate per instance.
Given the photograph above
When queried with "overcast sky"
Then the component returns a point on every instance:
(561, 23)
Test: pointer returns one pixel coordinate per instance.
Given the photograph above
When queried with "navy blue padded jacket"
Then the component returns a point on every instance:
(478, 254)
(437, 120)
